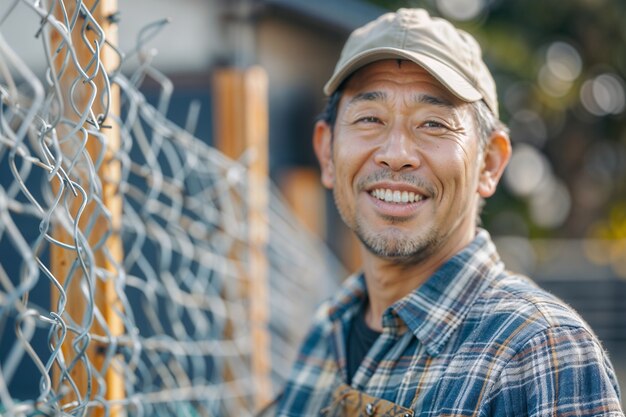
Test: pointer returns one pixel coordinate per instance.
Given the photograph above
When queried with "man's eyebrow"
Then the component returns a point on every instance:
(368, 96)
(433, 100)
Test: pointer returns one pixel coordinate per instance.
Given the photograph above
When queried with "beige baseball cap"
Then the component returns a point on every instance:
(449, 54)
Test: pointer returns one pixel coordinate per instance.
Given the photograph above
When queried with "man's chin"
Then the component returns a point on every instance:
(398, 250)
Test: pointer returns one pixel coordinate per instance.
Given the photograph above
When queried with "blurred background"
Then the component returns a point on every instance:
(560, 212)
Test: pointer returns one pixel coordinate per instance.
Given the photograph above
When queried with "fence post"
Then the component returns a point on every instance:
(306, 197)
(109, 256)
(241, 121)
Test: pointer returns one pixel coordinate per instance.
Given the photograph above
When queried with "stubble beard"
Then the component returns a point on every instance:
(392, 244)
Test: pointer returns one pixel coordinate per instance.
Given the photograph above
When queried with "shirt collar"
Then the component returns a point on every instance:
(347, 301)
(435, 310)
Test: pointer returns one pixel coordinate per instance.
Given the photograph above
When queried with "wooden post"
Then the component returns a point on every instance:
(105, 296)
(303, 191)
(241, 121)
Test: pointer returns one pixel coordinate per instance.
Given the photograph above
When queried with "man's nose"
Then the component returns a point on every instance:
(399, 152)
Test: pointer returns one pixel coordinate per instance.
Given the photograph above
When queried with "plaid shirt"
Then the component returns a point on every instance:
(474, 340)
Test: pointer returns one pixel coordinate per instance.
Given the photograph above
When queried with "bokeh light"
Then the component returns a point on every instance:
(564, 61)
(562, 67)
(526, 170)
(552, 84)
(461, 10)
(603, 95)
(530, 176)
(550, 204)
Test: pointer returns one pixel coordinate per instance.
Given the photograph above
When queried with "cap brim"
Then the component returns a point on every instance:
(447, 76)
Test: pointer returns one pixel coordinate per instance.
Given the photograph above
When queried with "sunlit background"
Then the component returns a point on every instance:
(560, 213)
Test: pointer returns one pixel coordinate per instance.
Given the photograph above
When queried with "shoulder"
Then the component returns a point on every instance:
(549, 354)
(514, 305)
(512, 314)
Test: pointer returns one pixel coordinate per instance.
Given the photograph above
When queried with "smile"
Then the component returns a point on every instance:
(398, 197)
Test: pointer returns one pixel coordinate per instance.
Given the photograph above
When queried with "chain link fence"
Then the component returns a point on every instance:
(174, 288)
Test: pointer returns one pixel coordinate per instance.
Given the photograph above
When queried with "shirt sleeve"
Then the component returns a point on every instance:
(313, 367)
(562, 371)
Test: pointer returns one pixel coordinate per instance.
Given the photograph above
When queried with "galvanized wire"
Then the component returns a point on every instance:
(185, 347)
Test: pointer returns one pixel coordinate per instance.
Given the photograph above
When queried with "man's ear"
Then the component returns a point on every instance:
(322, 143)
(496, 156)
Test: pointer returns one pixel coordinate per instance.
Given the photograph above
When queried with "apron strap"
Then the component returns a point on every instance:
(348, 402)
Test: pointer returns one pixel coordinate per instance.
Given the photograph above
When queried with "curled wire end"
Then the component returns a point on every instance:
(150, 31)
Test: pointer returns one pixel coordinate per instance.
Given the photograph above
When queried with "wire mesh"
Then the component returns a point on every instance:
(185, 345)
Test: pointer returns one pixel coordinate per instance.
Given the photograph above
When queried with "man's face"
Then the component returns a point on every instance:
(403, 162)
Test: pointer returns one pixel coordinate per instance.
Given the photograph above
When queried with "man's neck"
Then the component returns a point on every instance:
(389, 281)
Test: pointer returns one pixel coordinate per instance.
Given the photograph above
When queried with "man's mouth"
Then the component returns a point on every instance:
(395, 196)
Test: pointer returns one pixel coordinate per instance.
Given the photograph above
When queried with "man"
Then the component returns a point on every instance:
(410, 144)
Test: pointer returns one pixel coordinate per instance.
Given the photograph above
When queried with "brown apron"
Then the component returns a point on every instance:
(348, 402)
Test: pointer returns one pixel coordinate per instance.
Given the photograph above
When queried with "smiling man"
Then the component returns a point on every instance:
(433, 325)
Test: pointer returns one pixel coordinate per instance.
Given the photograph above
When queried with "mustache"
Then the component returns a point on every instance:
(387, 175)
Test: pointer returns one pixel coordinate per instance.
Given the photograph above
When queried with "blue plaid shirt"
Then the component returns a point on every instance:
(474, 340)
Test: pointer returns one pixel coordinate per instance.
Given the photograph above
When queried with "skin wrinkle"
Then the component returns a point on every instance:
(367, 96)
(417, 98)
(435, 101)
(399, 128)
(482, 118)
(393, 113)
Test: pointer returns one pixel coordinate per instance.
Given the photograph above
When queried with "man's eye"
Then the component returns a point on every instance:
(433, 124)
(369, 119)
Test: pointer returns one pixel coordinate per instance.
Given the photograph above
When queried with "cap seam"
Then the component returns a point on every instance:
(404, 35)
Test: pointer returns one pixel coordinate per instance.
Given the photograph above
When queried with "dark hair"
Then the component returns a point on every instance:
(329, 114)
(486, 122)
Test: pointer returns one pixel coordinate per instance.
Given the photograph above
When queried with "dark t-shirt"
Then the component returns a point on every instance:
(360, 339)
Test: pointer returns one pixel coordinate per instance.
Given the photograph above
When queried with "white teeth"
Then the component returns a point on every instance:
(389, 196)
(396, 196)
